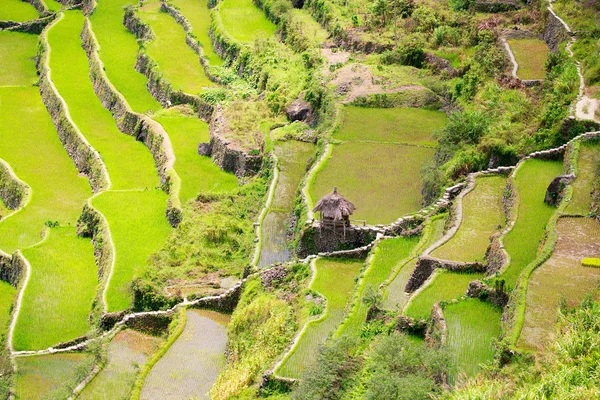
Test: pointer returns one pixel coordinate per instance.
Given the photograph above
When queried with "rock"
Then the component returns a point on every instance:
(553, 193)
(440, 64)
(205, 149)
(300, 110)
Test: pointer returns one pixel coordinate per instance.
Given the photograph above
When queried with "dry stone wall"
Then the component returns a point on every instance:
(12, 268)
(555, 32)
(13, 191)
(91, 224)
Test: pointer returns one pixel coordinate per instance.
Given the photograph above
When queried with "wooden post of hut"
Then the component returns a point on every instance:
(335, 209)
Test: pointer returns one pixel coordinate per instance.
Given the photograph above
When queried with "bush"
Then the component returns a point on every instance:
(409, 52)
(461, 5)
(464, 128)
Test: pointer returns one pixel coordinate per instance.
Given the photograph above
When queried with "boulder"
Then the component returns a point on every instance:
(300, 110)
(553, 193)
(205, 149)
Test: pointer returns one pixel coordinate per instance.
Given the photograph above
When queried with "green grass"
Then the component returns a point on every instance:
(177, 61)
(138, 228)
(560, 277)
(198, 15)
(118, 52)
(444, 286)
(310, 28)
(387, 255)
(588, 169)
(398, 125)
(388, 189)
(127, 352)
(523, 240)
(17, 10)
(334, 280)
(244, 21)
(394, 296)
(38, 158)
(531, 55)
(7, 298)
(51, 376)
(60, 291)
(472, 327)
(17, 63)
(483, 215)
(70, 73)
(197, 173)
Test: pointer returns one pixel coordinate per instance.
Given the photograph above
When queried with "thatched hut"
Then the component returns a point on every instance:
(335, 209)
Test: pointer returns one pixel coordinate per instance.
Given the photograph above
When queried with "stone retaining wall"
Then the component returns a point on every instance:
(86, 159)
(137, 125)
(92, 224)
(437, 331)
(496, 296)
(426, 265)
(13, 191)
(39, 5)
(555, 32)
(11, 268)
(35, 26)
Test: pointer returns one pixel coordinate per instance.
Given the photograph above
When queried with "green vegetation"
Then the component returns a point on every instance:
(483, 215)
(50, 376)
(244, 21)
(138, 229)
(387, 255)
(302, 32)
(17, 10)
(60, 291)
(523, 240)
(591, 262)
(178, 62)
(17, 51)
(531, 55)
(390, 125)
(127, 352)
(473, 326)
(395, 167)
(7, 297)
(444, 286)
(343, 272)
(587, 172)
(198, 15)
(118, 52)
(198, 173)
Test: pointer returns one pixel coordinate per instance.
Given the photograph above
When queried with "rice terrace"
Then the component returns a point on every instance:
(299, 199)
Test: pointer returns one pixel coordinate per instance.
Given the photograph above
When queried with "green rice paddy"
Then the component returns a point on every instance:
(387, 256)
(198, 15)
(244, 21)
(588, 166)
(127, 353)
(60, 291)
(531, 55)
(17, 58)
(50, 376)
(391, 125)
(473, 326)
(394, 296)
(343, 273)
(197, 173)
(562, 276)
(138, 228)
(17, 10)
(53, 5)
(444, 286)
(523, 240)
(177, 61)
(483, 215)
(118, 52)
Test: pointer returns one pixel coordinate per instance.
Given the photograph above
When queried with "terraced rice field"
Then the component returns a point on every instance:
(293, 157)
(51, 376)
(523, 240)
(197, 173)
(483, 215)
(562, 276)
(444, 286)
(17, 52)
(394, 296)
(388, 254)
(127, 353)
(17, 10)
(391, 186)
(343, 273)
(588, 166)
(177, 61)
(201, 349)
(244, 21)
(531, 55)
(198, 15)
(473, 326)
(118, 52)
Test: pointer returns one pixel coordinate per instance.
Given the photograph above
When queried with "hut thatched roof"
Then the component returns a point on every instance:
(334, 206)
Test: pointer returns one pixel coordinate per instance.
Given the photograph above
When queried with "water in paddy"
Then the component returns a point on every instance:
(191, 366)
(293, 157)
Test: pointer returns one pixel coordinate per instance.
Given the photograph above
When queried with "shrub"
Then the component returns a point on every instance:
(409, 52)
